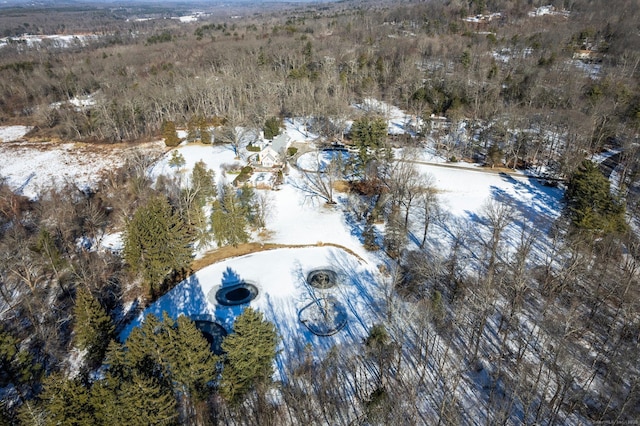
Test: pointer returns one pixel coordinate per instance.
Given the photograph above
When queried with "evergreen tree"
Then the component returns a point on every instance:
(171, 352)
(66, 402)
(137, 401)
(156, 243)
(117, 361)
(369, 135)
(199, 193)
(369, 236)
(93, 326)
(46, 245)
(203, 183)
(194, 366)
(218, 228)
(228, 220)
(205, 133)
(247, 201)
(395, 236)
(146, 352)
(494, 156)
(590, 204)
(170, 134)
(177, 160)
(379, 347)
(193, 128)
(272, 127)
(17, 366)
(250, 352)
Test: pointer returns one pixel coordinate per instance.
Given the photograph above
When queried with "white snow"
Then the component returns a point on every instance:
(318, 160)
(79, 103)
(399, 122)
(56, 40)
(214, 156)
(185, 19)
(298, 131)
(112, 242)
(300, 219)
(465, 190)
(33, 167)
(296, 218)
(280, 277)
(13, 133)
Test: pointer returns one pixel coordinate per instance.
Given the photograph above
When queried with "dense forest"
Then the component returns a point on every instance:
(556, 335)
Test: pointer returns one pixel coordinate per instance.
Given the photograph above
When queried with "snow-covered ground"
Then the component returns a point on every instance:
(13, 133)
(30, 168)
(318, 160)
(295, 218)
(56, 40)
(79, 103)
(280, 277)
(399, 122)
(298, 218)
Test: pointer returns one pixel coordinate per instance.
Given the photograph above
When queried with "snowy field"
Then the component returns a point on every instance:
(30, 168)
(295, 218)
(280, 277)
(298, 218)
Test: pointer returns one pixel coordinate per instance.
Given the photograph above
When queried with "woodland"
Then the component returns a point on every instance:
(545, 94)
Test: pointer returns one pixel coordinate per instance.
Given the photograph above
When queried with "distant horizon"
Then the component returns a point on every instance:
(156, 2)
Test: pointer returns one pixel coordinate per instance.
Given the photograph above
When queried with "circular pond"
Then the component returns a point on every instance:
(236, 294)
(323, 317)
(322, 278)
(214, 333)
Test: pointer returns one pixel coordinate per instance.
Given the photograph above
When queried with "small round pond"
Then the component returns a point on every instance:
(214, 333)
(322, 278)
(236, 294)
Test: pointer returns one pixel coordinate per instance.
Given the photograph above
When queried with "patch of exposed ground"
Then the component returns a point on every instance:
(227, 252)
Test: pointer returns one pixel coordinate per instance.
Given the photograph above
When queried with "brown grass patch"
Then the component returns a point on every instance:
(341, 186)
(228, 252)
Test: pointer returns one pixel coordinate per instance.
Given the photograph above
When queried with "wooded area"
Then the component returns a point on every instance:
(538, 93)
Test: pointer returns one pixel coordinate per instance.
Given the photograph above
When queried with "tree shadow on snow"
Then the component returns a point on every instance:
(354, 291)
(186, 298)
(226, 315)
(230, 277)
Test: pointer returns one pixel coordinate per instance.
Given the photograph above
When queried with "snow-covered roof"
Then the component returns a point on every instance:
(269, 157)
(281, 142)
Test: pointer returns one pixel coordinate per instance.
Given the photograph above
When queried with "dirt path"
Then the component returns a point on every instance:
(228, 252)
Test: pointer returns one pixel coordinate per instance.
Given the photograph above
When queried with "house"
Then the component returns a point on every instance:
(548, 10)
(281, 143)
(272, 155)
(268, 157)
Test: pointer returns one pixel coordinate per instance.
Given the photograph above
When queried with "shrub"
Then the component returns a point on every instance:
(244, 175)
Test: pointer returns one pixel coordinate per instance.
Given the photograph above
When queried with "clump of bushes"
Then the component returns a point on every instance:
(244, 175)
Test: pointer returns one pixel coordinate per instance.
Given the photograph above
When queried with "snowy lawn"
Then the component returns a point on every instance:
(300, 218)
(280, 276)
(295, 217)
